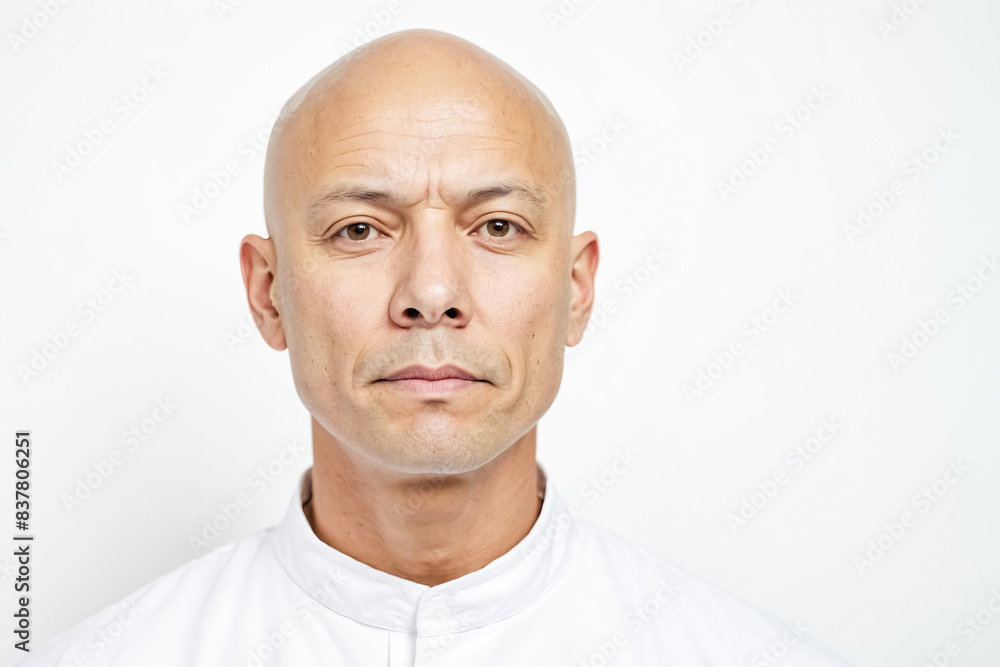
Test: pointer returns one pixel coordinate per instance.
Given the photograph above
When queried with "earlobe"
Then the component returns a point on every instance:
(258, 262)
(584, 255)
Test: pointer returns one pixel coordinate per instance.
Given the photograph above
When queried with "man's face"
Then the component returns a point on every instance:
(424, 229)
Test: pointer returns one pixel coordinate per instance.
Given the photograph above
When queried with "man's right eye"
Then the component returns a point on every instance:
(357, 231)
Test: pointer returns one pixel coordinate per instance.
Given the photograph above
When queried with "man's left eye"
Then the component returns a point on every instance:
(500, 228)
(357, 231)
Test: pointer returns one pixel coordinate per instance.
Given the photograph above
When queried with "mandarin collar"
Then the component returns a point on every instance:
(351, 588)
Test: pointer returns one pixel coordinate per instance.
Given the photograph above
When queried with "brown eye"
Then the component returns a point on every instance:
(358, 231)
(498, 228)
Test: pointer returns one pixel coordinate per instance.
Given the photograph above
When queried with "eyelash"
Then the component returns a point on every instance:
(519, 230)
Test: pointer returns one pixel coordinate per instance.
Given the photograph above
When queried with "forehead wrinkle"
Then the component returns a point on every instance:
(425, 137)
(491, 148)
(464, 136)
(464, 150)
(488, 191)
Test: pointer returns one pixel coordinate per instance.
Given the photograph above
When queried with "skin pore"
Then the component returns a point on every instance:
(419, 200)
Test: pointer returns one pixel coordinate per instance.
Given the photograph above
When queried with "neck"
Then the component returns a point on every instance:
(428, 528)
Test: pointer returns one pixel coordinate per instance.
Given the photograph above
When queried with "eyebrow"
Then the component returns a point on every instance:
(505, 189)
(356, 193)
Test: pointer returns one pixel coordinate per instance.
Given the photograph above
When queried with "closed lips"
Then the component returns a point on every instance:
(432, 374)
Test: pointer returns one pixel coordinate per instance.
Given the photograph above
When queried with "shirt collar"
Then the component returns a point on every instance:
(500, 589)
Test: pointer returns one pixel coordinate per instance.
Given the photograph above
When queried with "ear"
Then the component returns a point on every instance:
(584, 255)
(258, 261)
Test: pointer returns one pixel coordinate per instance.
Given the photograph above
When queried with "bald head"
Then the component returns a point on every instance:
(419, 195)
(404, 105)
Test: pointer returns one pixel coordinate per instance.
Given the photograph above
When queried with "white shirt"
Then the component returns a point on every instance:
(570, 593)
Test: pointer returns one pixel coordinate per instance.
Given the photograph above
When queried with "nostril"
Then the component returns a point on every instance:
(452, 313)
(412, 313)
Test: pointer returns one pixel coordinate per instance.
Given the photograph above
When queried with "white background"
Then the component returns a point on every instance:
(169, 334)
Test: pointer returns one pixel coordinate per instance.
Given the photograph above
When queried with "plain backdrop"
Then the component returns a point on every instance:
(891, 335)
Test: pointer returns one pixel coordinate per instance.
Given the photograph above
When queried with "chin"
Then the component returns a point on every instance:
(453, 455)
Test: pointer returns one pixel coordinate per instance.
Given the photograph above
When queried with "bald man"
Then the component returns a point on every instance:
(422, 272)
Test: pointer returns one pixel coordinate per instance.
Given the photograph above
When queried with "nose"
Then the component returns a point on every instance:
(433, 288)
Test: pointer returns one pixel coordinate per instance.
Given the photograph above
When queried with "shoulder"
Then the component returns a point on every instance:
(692, 618)
(149, 618)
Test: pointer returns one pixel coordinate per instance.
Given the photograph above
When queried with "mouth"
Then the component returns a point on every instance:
(423, 380)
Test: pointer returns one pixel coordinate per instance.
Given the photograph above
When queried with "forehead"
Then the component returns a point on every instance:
(410, 139)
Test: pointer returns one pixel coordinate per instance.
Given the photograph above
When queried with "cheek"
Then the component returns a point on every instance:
(524, 312)
(332, 317)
